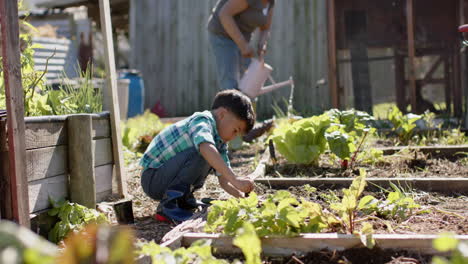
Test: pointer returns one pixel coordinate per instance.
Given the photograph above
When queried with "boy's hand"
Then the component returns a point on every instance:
(245, 185)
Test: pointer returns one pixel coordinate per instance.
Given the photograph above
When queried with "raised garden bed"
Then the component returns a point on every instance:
(308, 243)
(406, 240)
(52, 160)
(403, 240)
(397, 162)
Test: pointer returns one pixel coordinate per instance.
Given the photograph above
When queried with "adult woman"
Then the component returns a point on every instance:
(230, 27)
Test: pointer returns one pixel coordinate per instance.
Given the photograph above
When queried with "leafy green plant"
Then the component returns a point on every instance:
(396, 206)
(39, 100)
(139, 131)
(346, 209)
(370, 156)
(353, 121)
(403, 125)
(279, 214)
(453, 137)
(2, 100)
(72, 99)
(198, 252)
(303, 141)
(72, 218)
(248, 241)
(20, 245)
(32, 80)
(447, 243)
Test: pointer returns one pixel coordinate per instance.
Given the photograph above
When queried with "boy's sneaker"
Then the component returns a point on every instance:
(169, 207)
(189, 202)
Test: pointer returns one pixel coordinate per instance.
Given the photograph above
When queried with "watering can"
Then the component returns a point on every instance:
(255, 77)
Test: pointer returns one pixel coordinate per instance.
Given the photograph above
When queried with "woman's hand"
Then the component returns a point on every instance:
(247, 51)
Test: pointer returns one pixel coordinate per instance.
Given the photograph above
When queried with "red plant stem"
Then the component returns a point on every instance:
(357, 150)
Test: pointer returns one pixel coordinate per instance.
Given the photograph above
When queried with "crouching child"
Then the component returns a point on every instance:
(179, 158)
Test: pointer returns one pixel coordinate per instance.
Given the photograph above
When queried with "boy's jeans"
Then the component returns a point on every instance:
(187, 169)
(229, 62)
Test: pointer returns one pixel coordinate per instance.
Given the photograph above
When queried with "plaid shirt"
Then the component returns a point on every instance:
(187, 133)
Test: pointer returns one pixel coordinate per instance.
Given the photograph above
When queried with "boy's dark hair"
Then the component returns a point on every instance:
(238, 103)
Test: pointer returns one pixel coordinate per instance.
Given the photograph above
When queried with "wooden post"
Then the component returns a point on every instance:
(82, 184)
(356, 37)
(106, 28)
(332, 66)
(411, 52)
(400, 83)
(448, 84)
(15, 111)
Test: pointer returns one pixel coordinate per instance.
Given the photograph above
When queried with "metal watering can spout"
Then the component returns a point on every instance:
(254, 78)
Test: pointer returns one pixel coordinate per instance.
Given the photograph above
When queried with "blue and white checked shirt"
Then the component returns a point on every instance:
(187, 133)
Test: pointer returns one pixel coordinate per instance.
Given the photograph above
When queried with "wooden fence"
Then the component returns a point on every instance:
(170, 47)
(49, 150)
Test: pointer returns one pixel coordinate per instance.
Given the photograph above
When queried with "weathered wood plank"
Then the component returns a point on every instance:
(104, 178)
(435, 151)
(102, 152)
(48, 131)
(442, 185)
(102, 196)
(46, 162)
(15, 111)
(81, 161)
(40, 135)
(101, 128)
(106, 27)
(40, 191)
(286, 246)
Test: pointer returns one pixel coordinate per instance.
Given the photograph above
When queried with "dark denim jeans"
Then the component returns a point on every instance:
(230, 65)
(187, 168)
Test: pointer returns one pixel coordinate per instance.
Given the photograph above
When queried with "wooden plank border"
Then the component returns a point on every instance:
(286, 246)
(439, 151)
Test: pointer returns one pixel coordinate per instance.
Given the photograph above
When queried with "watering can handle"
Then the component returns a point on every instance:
(463, 29)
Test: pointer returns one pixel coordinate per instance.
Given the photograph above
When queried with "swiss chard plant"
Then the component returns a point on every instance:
(397, 205)
(347, 208)
(72, 218)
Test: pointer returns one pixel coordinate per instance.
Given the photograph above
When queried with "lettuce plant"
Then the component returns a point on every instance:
(303, 141)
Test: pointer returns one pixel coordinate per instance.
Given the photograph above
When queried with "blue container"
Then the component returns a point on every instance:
(136, 93)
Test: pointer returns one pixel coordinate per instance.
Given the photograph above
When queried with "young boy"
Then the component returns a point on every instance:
(178, 160)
